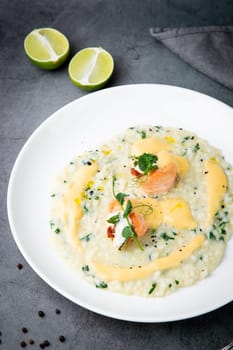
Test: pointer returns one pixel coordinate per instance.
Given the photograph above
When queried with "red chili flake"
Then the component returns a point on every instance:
(110, 232)
(134, 172)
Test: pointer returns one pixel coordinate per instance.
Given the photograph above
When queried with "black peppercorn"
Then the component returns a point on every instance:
(41, 313)
(62, 338)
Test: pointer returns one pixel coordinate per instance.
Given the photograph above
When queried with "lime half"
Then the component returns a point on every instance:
(47, 48)
(91, 68)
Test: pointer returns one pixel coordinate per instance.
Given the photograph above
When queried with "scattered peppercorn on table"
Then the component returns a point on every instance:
(32, 314)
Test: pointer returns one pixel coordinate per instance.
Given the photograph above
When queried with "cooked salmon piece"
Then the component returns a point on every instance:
(160, 181)
(137, 221)
(139, 224)
(114, 206)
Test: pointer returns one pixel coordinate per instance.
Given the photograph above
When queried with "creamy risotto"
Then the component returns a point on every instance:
(148, 212)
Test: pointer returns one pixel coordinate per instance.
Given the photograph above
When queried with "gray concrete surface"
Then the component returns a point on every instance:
(29, 96)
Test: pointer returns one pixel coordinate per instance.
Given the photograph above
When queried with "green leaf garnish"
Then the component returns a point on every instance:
(114, 219)
(120, 197)
(57, 230)
(127, 232)
(147, 162)
(153, 286)
(127, 209)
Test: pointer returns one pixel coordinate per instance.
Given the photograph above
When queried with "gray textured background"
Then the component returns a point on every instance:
(29, 96)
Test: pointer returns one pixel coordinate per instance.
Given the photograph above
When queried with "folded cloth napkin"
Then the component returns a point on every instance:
(208, 49)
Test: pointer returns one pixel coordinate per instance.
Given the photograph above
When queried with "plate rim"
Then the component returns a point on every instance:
(29, 260)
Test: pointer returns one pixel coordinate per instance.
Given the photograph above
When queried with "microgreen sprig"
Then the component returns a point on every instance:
(146, 162)
(128, 231)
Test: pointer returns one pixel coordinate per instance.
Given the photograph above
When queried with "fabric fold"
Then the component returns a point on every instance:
(208, 49)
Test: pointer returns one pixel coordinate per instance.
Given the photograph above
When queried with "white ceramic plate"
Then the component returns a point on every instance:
(84, 124)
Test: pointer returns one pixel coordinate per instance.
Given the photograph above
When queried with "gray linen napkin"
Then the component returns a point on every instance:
(208, 49)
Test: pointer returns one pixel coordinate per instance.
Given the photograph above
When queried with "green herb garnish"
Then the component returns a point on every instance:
(101, 285)
(177, 282)
(87, 237)
(166, 237)
(185, 139)
(120, 197)
(85, 209)
(146, 162)
(57, 230)
(142, 133)
(223, 231)
(85, 268)
(51, 223)
(153, 286)
(212, 236)
(196, 148)
(223, 223)
(128, 209)
(114, 219)
(146, 209)
(128, 230)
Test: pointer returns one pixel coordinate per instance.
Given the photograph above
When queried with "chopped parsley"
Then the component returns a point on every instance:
(165, 236)
(85, 268)
(57, 230)
(102, 285)
(185, 139)
(142, 133)
(153, 286)
(51, 223)
(87, 237)
(212, 236)
(177, 282)
(196, 148)
(85, 209)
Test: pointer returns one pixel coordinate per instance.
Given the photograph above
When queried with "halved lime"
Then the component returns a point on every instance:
(91, 68)
(47, 48)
